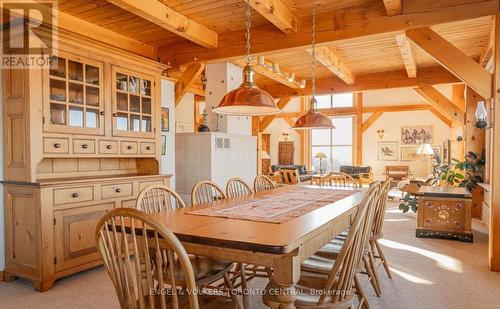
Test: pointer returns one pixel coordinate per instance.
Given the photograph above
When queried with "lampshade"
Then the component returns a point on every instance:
(320, 155)
(264, 155)
(425, 149)
(247, 99)
(313, 119)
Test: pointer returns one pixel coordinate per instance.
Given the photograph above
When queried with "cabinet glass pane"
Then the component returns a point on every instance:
(146, 106)
(91, 118)
(75, 93)
(121, 82)
(75, 116)
(135, 104)
(92, 95)
(134, 84)
(122, 122)
(121, 102)
(57, 114)
(146, 124)
(58, 67)
(146, 87)
(57, 90)
(135, 123)
(91, 74)
(75, 70)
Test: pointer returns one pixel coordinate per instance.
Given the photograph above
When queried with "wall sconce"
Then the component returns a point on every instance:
(285, 136)
(302, 84)
(380, 134)
(460, 134)
(276, 67)
(481, 115)
(291, 77)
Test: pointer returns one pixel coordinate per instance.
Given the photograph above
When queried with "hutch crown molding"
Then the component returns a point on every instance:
(80, 138)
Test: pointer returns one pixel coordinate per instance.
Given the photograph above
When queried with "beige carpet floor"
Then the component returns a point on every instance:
(427, 273)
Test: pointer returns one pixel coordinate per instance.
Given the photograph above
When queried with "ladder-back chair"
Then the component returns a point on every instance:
(289, 176)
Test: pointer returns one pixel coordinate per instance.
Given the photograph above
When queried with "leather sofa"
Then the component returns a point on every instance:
(363, 173)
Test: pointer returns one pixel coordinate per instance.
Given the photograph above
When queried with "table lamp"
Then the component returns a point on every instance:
(320, 155)
(264, 155)
(426, 149)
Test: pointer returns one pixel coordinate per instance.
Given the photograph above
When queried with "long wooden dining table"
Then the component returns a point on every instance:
(282, 246)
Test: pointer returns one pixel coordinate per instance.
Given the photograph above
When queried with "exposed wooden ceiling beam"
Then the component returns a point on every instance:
(442, 117)
(289, 121)
(408, 55)
(441, 103)
(332, 62)
(393, 7)
(160, 14)
(333, 26)
(373, 117)
(187, 80)
(458, 63)
(278, 13)
(372, 81)
(269, 74)
(487, 51)
(93, 31)
(266, 121)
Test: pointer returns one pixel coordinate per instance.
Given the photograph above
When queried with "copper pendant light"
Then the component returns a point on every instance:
(247, 99)
(313, 119)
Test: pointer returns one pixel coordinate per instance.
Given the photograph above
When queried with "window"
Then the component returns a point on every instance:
(335, 100)
(336, 144)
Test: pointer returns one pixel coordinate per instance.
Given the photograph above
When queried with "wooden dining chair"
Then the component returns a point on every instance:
(336, 286)
(206, 191)
(289, 176)
(138, 265)
(263, 183)
(158, 198)
(237, 187)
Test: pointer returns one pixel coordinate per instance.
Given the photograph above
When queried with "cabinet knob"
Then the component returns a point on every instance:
(118, 190)
(57, 145)
(109, 146)
(129, 147)
(115, 114)
(101, 113)
(148, 147)
(85, 146)
(75, 195)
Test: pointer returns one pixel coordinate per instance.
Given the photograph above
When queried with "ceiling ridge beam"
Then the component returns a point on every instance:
(393, 7)
(371, 120)
(282, 79)
(186, 80)
(162, 15)
(277, 13)
(453, 59)
(333, 26)
(442, 117)
(441, 103)
(408, 55)
(332, 62)
(266, 121)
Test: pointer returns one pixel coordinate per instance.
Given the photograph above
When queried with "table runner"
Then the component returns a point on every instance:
(277, 207)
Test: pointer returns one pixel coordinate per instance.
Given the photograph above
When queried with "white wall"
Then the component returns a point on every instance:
(184, 114)
(167, 164)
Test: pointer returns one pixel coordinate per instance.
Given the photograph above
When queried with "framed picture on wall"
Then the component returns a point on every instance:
(165, 124)
(409, 154)
(163, 145)
(388, 151)
(415, 135)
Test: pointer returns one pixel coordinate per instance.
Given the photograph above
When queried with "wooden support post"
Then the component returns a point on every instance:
(494, 239)
(358, 99)
(458, 97)
(256, 133)
(373, 117)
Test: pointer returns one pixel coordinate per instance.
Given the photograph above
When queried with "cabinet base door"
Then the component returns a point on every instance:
(75, 235)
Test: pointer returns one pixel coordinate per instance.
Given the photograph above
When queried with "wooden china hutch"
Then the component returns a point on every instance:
(80, 138)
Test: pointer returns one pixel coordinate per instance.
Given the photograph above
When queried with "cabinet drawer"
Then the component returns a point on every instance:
(108, 147)
(55, 145)
(83, 146)
(148, 148)
(128, 203)
(129, 147)
(144, 184)
(116, 190)
(73, 195)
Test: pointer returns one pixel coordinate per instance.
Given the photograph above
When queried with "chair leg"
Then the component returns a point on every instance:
(384, 260)
(371, 278)
(374, 271)
(230, 288)
(244, 291)
(363, 300)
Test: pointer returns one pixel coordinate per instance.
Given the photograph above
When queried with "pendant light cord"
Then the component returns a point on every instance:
(313, 98)
(248, 25)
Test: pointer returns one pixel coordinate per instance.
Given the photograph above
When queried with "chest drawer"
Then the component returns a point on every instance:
(73, 195)
(83, 146)
(148, 148)
(129, 147)
(108, 147)
(116, 190)
(144, 184)
(55, 145)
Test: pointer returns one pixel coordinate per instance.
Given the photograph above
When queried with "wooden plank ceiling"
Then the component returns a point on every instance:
(359, 51)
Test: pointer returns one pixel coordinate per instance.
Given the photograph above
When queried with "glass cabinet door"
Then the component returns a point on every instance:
(74, 96)
(132, 108)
